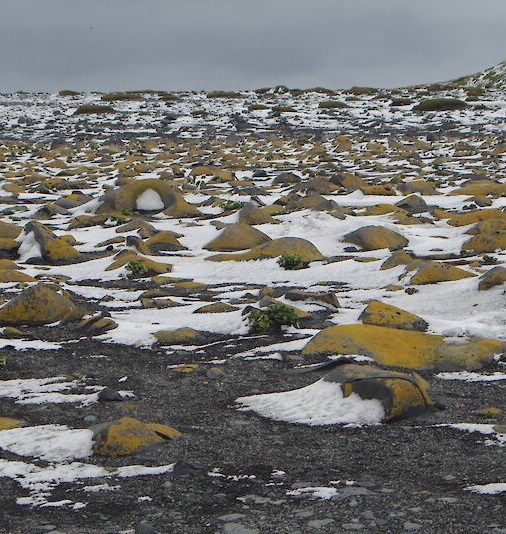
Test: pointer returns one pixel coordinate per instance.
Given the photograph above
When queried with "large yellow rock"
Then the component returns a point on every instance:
(9, 275)
(381, 314)
(376, 237)
(488, 236)
(52, 248)
(292, 245)
(176, 337)
(9, 231)
(251, 214)
(237, 237)
(164, 241)
(6, 423)
(434, 272)
(494, 277)
(402, 348)
(128, 435)
(127, 256)
(481, 187)
(402, 395)
(471, 217)
(38, 305)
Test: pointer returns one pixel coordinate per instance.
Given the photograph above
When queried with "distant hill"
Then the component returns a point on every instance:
(491, 78)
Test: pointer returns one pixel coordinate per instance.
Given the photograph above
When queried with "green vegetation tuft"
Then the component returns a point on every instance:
(223, 94)
(332, 104)
(230, 205)
(440, 104)
(291, 262)
(94, 109)
(276, 315)
(362, 91)
(127, 95)
(257, 107)
(137, 269)
(283, 109)
(68, 92)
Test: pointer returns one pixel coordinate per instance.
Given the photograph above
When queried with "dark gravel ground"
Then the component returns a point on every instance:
(409, 475)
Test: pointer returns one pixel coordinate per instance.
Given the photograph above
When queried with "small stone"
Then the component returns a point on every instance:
(411, 527)
(319, 523)
(230, 517)
(183, 468)
(144, 528)
(109, 394)
(237, 528)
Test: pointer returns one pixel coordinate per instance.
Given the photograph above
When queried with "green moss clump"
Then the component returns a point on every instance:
(223, 94)
(283, 109)
(362, 91)
(291, 262)
(168, 97)
(93, 109)
(321, 90)
(440, 104)
(257, 107)
(332, 104)
(68, 92)
(276, 315)
(401, 101)
(137, 269)
(113, 97)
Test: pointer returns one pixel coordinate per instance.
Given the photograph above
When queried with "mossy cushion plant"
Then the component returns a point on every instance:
(112, 97)
(291, 262)
(275, 316)
(332, 104)
(440, 104)
(223, 94)
(94, 109)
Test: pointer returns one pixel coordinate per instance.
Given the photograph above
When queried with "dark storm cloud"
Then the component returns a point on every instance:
(229, 44)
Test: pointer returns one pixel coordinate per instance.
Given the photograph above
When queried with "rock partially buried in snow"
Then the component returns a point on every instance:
(434, 272)
(381, 314)
(402, 348)
(237, 237)
(128, 435)
(292, 245)
(402, 395)
(174, 337)
(38, 305)
(494, 277)
(376, 237)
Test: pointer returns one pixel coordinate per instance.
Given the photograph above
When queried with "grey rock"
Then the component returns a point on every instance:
(144, 528)
(411, 527)
(237, 528)
(319, 523)
(109, 395)
(230, 517)
(353, 526)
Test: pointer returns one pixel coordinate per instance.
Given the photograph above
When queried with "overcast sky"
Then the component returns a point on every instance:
(104, 45)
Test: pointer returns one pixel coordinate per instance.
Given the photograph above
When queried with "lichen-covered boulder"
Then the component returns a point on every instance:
(38, 305)
(434, 272)
(237, 237)
(176, 337)
(494, 277)
(251, 214)
(144, 266)
(403, 348)
(376, 237)
(277, 247)
(488, 236)
(402, 395)
(7, 423)
(127, 436)
(9, 231)
(37, 241)
(381, 314)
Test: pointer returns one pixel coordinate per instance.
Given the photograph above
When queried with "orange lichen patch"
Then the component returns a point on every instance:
(381, 314)
(176, 337)
(6, 423)
(402, 348)
(293, 245)
(237, 237)
(399, 257)
(251, 214)
(434, 272)
(9, 275)
(153, 267)
(9, 231)
(401, 394)
(376, 237)
(9, 244)
(52, 248)
(473, 217)
(218, 174)
(38, 305)
(128, 435)
(383, 209)
(216, 307)
(488, 236)
(481, 187)
(494, 277)
(381, 189)
(164, 240)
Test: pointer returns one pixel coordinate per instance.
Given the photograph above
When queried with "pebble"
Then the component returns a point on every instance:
(304, 514)
(353, 526)
(230, 517)
(237, 528)
(144, 528)
(109, 395)
(411, 527)
(319, 523)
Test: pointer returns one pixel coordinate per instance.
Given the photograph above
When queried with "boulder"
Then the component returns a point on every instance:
(237, 237)
(402, 348)
(376, 237)
(251, 214)
(176, 337)
(381, 314)
(38, 305)
(494, 277)
(488, 236)
(37, 241)
(434, 272)
(402, 395)
(277, 247)
(127, 436)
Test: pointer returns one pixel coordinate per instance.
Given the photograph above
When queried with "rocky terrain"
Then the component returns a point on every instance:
(271, 311)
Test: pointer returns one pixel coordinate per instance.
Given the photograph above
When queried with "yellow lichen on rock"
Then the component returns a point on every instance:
(237, 237)
(488, 236)
(175, 337)
(272, 249)
(402, 348)
(38, 305)
(52, 248)
(376, 237)
(6, 423)
(127, 436)
(381, 314)
(434, 272)
(494, 277)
